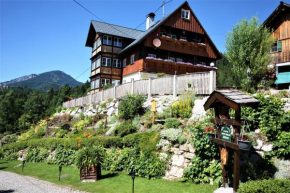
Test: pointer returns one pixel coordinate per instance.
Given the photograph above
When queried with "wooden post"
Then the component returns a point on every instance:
(174, 86)
(149, 87)
(236, 169)
(132, 86)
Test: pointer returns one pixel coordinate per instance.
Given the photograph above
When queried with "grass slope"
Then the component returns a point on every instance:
(47, 80)
(111, 182)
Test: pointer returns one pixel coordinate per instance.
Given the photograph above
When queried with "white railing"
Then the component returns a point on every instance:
(203, 83)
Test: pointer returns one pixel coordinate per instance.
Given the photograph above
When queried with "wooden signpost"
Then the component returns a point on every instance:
(222, 101)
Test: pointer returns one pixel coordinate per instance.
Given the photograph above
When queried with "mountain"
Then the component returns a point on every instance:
(20, 79)
(47, 80)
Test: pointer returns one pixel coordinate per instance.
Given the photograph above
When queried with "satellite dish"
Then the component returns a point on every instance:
(157, 42)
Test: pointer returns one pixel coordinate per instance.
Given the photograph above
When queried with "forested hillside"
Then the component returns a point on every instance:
(22, 106)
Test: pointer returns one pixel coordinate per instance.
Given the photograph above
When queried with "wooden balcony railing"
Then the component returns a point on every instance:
(158, 66)
(183, 47)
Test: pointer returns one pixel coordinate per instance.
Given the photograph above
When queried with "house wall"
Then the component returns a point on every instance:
(281, 26)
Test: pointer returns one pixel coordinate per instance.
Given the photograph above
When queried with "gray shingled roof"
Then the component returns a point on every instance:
(237, 96)
(106, 28)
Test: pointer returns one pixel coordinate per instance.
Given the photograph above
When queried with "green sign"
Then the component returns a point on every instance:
(226, 133)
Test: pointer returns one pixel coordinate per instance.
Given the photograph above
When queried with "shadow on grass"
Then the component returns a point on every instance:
(6, 191)
(2, 168)
(3, 162)
(109, 175)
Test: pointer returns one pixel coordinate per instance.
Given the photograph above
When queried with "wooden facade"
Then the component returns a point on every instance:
(279, 23)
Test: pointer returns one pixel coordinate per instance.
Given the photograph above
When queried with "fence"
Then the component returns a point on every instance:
(203, 83)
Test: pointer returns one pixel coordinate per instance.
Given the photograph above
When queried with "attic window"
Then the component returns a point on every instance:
(185, 14)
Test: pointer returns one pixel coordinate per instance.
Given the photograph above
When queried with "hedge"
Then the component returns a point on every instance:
(52, 143)
(265, 186)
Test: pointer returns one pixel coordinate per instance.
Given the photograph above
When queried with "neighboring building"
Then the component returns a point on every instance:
(279, 22)
(177, 44)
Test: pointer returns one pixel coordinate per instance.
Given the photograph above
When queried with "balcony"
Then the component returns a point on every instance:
(167, 67)
(107, 70)
(107, 49)
(183, 46)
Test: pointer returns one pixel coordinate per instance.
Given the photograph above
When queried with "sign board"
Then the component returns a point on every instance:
(226, 133)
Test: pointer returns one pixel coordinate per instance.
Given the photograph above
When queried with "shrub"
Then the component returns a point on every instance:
(61, 133)
(81, 125)
(201, 171)
(125, 128)
(183, 106)
(265, 186)
(9, 139)
(204, 148)
(131, 106)
(156, 127)
(82, 116)
(36, 154)
(283, 167)
(182, 139)
(269, 117)
(172, 123)
(64, 156)
(171, 134)
(9, 155)
(148, 141)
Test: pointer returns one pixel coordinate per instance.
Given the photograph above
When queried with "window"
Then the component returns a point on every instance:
(152, 55)
(124, 63)
(97, 83)
(106, 61)
(132, 59)
(92, 84)
(185, 14)
(118, 42)
(93, 65)
(116, 82)
(97, 43)
(173, 36)
(105, 81)
(277, 47)
(96, 63)
(107, 40)
(172, 59)
(178, 60)
(116, 63)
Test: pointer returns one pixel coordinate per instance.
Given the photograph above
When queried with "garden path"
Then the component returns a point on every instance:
(11, 182)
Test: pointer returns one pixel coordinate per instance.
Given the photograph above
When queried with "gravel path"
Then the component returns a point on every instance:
(11, 182)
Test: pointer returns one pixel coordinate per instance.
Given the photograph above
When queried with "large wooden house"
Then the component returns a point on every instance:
(177, 44)
(279, 23)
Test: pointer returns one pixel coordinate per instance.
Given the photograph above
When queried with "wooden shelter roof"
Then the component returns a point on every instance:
(232, 98)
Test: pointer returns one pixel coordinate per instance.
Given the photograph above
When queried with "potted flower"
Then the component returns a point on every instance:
(209, 130)
(247, 139)
(89, 160)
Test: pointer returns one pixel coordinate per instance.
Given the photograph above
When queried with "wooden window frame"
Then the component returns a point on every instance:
(118, 43)
(106, 40)
(117, 64)
(183, 15)
(132, 57)
(106, 61)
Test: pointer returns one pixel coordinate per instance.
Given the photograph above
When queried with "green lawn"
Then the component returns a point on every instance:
(111, 182)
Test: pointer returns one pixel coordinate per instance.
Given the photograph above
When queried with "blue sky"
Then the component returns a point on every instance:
(42, 35)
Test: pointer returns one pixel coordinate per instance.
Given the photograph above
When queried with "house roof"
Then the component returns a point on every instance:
(111, 29)
(232, 98)
(280, 9)
(158, 23)
(106, 28)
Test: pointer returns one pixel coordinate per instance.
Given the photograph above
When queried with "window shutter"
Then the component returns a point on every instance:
(279, 46)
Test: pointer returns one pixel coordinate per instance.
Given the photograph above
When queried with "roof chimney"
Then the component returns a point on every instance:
(150, 20)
